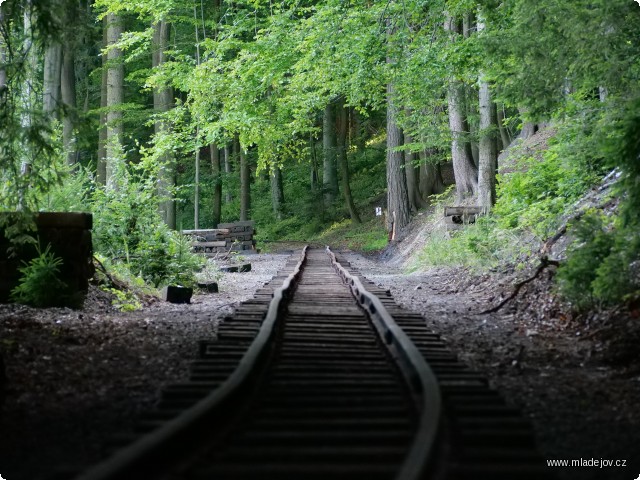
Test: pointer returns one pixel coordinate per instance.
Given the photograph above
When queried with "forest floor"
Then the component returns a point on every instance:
(76, 377)
(576, 379)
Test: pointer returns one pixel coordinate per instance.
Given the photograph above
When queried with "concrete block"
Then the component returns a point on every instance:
(177, 294)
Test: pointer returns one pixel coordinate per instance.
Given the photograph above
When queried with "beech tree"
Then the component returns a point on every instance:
(68, 90)
(397, 198)
(3, 61)
(245, 186)
(216, 170)
(115, 97)
(28, 147)
(412, 172)
(488, 151)
(465, 171)
(163, 102)
(52, 75)
(277, 192)
(101, 169)
(269, 72)
(430, 174)
(342, 126)
(329, 150)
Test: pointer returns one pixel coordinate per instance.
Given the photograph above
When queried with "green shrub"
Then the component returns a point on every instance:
(597, 270)
(483, 244)
(128, 229)
(593, 244)
(614, 282)
(71, 194)
(40, 284)
(538, 193)
(368, 236)
(543, 185)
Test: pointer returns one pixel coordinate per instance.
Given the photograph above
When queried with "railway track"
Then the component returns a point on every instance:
(322, 376)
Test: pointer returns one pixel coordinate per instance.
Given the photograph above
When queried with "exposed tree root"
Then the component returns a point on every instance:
(114, 282)
(548, 245)
(544, 263)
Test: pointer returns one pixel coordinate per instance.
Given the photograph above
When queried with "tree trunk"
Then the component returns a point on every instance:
(245, 188)
(163, 102)
(603, 94)
(488, 162)
(3, 59)
(342, 127)
(430, 175)
(470, 102)
(196, 194)
(398, 213)
(313, 173)
(504, 133)
(228, 197)
(356, 133)
(329, 170)
(464, 170)
(68, 91)
(467, 24)
(217, 183)
(528, 128)
(412, 172)
(29, 51)
(277, 192)
(397, 198)
(51, 83)
(101, 168)
(411, 177)
(115, 98)
(27, 95)
(488, 149)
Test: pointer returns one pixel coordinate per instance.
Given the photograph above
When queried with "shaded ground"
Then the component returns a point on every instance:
(578, 380)
(77, 377)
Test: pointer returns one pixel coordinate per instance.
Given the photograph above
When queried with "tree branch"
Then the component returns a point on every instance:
(544, 263)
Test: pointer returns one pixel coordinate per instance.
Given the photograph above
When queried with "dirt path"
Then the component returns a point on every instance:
(581, 406)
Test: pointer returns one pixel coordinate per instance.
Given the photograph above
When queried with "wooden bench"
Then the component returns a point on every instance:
(457, 217)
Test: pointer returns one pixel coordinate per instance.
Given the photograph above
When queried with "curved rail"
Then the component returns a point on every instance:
(125, 463)
(413, 365)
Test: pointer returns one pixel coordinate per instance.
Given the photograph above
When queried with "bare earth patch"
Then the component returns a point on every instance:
(578, 380)
(75, 378)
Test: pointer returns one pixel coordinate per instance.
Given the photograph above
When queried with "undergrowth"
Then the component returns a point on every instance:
(40, 284)
(479, 246)
(540, 190)
(368, 236)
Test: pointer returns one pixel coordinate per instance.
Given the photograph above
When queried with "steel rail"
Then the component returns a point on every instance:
(417, 371)
(129, 462)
